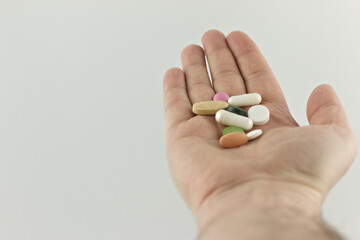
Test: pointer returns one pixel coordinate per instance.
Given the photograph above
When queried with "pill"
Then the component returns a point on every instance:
(231, 129)
(245, 100)
(259, 114)
(234, 139)
(209, 107)
(233, 119)
(236, 110)
(221, 96)
(254, 134)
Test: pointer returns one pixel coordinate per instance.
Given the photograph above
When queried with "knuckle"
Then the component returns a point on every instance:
(226, 73)
(176, 104)
(257, 74)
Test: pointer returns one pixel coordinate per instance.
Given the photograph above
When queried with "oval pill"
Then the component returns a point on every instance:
(254, 134)
(231, 129)
(234, 139)
(208, 107)
(236, 110)
(233, 119)
(245, 100)
(259, 114)
(221, 96)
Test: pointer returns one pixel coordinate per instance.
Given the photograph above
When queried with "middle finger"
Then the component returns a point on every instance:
(225, 74)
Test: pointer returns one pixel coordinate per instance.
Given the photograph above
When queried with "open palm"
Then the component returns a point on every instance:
(315, 156)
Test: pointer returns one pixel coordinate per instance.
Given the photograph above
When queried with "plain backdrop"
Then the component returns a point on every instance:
(82, 147)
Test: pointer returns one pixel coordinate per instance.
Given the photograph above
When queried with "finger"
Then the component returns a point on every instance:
(324, 108)
(177, 106)
(256, 72)
(197, 78)
(225, 74)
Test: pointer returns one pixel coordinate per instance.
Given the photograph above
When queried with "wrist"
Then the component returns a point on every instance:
(260, 200)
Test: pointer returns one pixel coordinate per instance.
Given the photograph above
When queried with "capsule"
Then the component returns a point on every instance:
(245, 100)
(233, 119)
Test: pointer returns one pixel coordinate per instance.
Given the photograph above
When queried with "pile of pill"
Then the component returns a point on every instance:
(227, 111)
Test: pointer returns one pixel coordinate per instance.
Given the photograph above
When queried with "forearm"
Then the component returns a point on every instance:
(263, 210)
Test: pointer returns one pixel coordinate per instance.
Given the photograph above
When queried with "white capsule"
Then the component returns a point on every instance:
(233, 119)
(245, 100)
(254, 134)
(259, 114)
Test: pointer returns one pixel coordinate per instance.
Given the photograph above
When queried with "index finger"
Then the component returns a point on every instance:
(177, 106)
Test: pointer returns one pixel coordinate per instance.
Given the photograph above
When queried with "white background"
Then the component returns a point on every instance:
(82, 148)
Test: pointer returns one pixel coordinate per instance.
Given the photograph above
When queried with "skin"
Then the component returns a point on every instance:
(288, 171)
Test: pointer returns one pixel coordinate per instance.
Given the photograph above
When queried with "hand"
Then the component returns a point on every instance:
(306, 161)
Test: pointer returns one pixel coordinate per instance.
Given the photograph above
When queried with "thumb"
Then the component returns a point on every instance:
(324, 108)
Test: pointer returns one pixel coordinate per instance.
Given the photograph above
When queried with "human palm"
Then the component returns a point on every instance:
(314, 156)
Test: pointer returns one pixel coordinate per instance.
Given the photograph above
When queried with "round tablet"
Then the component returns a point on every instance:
(231, 129)
(259, 114)
(221, 96)
(254, 134)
